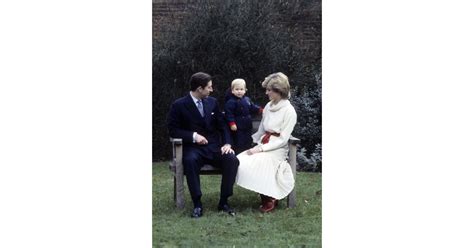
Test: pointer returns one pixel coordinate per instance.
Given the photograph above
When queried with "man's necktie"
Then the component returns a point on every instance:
(200, 108)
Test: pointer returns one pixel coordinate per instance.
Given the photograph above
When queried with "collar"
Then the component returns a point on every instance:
(194, 98)
(236, 97)
(281, 104)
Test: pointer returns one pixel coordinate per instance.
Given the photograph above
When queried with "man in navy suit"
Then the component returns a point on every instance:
(197, 120)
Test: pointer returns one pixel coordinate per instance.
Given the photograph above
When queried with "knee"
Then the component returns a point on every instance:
(231, 159)
(191, 160)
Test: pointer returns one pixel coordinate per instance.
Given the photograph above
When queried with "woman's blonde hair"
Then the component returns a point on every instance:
(278, 82)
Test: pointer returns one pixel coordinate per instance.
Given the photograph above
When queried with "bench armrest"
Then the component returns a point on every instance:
(177, 145)
(294, 141)
(176, 141)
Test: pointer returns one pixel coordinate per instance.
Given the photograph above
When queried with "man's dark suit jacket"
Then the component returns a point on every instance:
(184, 119)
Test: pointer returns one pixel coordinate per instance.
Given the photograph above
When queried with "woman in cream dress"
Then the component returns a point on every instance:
(264, 168)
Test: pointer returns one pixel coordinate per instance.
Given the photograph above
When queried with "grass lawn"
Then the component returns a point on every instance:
(300, 226)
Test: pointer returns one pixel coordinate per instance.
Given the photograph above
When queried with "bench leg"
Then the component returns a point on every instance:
(179, 186)
(178, 175)
(291, 199)
(174, 188)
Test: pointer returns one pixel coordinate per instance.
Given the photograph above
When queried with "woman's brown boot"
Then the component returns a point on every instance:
(269, 204)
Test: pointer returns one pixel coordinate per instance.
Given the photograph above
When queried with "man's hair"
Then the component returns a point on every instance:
(278, 82)
(199, 79)
(237, 82)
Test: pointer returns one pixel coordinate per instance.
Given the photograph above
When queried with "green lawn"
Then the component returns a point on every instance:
(300, 226)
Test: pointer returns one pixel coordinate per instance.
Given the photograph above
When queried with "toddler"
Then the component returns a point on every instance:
(238, 109)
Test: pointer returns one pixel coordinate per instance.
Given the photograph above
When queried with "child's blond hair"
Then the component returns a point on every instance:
(237, 82)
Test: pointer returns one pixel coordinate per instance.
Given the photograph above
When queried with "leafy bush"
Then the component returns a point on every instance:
(313, 163)
(227, 39)
(307, 102)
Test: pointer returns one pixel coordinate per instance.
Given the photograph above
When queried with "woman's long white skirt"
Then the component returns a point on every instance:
(266, 173)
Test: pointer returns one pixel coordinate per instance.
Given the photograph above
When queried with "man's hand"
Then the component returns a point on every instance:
(201, 140)
(226, 149)
(254, 150)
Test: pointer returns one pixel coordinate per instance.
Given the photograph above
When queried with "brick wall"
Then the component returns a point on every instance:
(168, 13)
(306, 23)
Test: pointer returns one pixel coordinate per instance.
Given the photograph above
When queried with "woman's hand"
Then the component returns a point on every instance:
(254, 150)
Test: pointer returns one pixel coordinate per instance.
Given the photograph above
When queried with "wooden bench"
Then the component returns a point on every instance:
(176, 167)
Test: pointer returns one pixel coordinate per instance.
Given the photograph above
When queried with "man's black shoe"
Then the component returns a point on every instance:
(226, 208)
(197, 212)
